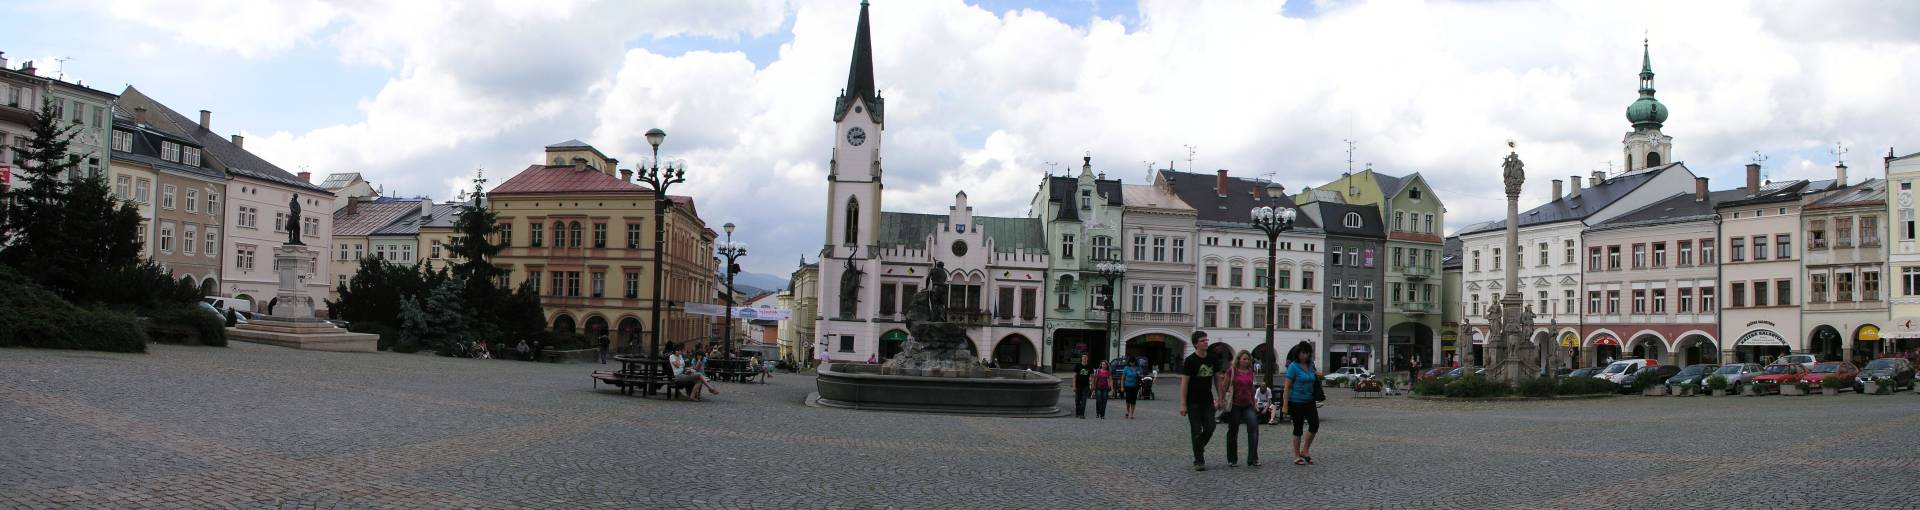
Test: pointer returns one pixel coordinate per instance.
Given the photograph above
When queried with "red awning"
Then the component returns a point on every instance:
(1607, 340)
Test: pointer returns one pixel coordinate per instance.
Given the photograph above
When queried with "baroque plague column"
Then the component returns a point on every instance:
(1514, 357)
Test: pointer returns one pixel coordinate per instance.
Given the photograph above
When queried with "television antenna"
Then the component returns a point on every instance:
(1350, 144)
(1051, 166)
(60, 67)
(1839, 154)
(1149, 165)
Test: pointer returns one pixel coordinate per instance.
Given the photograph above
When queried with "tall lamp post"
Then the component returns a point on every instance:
(1273, 221)
(731, 251)
(1112, 270)
(658, 180)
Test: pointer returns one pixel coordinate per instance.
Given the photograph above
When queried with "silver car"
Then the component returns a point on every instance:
(1738, 374)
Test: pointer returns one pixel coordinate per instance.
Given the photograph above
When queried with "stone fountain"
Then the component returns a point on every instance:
(935, 373)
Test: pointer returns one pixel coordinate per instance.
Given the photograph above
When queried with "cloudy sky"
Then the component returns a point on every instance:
(985, 97)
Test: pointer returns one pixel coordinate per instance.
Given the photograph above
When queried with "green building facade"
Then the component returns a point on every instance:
(1082, 218)
(1415, 220)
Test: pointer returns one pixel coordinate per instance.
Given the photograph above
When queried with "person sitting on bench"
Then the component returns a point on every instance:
(686, 376)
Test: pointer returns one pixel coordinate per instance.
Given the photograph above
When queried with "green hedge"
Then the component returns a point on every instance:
(1477, 386)
(558, 341)
(187, 325)
(1434, 386)
(1585, 386)
(32, 316)
(1539, 387)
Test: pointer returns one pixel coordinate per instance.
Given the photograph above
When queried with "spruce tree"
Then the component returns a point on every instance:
(64, 231)
(474, 249)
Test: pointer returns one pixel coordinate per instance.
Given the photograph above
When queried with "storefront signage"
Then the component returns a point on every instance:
(1569, 340)
(1761, 323)
(1869, 333)
(1761, 338)
(1607, 340)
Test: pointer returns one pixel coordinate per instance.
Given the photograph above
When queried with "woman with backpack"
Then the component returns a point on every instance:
(1299, 402)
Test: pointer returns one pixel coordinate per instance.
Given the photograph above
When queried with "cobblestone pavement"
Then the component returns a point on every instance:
(253, 426)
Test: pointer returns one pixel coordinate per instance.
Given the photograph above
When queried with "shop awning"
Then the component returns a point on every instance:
(1606, 340)
(894, 336)
(1868, 333)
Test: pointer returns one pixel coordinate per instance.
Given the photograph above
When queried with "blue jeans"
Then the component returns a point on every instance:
(1239, 416)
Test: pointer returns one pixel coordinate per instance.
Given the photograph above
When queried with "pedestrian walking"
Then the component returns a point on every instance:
(1240, 401)
(1082, 386)
(1197, 399)
(1130, 386)
(1299, 403)
(1102, 385)
(604, 345)
(525, 353)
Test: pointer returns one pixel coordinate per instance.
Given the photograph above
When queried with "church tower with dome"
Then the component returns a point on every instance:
(1646, 147)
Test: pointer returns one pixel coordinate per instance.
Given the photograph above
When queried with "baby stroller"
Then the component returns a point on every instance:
(1146, 386)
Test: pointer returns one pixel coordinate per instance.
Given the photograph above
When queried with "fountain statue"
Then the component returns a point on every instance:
(935, 347)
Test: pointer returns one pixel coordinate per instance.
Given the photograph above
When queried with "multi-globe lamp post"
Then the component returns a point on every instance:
(1112, 270)
(657, 180)
(731, 252)
(1273, 221)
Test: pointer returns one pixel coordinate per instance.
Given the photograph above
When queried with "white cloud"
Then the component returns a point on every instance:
(249, 28)
(980, 101)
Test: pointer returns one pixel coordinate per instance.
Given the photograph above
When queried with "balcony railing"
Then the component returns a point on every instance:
(1416, 307)
(1159, 318)
(1416, 272)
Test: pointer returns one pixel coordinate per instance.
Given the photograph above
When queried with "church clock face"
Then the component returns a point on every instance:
(1906, 199)
(856, 136)
(959, 248)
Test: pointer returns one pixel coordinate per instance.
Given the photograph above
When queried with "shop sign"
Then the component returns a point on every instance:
(1869, 333)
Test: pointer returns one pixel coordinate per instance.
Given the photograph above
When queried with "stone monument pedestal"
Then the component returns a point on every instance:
(292, 323)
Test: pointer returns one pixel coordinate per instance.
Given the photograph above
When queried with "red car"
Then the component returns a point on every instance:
(1846, 371)
(1777, 374)
(1435, 373)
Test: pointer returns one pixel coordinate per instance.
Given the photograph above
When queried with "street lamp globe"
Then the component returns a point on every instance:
(655, 136)
(729, 228)
(1286, 215)
(1262, 213)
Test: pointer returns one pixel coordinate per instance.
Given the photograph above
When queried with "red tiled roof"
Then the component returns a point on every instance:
(564, 179)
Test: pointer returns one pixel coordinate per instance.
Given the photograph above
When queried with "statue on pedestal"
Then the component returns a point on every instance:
(293, 221)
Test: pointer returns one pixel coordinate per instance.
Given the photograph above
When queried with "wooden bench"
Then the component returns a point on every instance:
(629, 381)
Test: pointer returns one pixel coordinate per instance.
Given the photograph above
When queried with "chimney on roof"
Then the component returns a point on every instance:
(579, 162)
(140, 115)
(206, 120)
(1599, 176)
(305, 176)
(1886, 163)
(3, 60)
(1699, 189)
(1753, 178)
(1220, 183)
(1840, 174)
(1574, 192)
(28, 68)
(426, 210)
(239, 141)
(626, 174)
(353, 204)
(1556, 189)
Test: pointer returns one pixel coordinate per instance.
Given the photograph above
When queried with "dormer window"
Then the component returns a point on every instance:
(1086, 199)
(190, 156)
(170, 151)
(122, 141)
(1352, 220)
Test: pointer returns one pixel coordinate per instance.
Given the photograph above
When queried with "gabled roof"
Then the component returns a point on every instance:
(146, 150)
(1152, 197)
(235, 160)
(1450, 253)
(444, 215)
(340, 180)
(1061, 190)
(1578, 207)
(1678, 208)
(1007, 234)
(372, 215)
(564, 179)
(1333, 219)
(1772, 192)
(1870, 192)
(571, 143)
(1242, 195)
(407, 225)
(1390, 185)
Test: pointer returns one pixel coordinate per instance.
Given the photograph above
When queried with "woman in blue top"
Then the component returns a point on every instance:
(1130, 386)
(1299, 401)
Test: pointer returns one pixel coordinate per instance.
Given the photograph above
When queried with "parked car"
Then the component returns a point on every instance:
(222, 303)
(1655, 373)
(1898, 369)
(1738, 374)
(1462, 372)
(1777, 374)
(1805, 360)
(1618, 370)
(1349, 374)
(1435, 373)
(1846, 371)
(1584, 372)
(1693, 374)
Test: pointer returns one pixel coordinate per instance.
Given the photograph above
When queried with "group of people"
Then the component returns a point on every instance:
(689, 367)
(1102, 380)
(1207, 388)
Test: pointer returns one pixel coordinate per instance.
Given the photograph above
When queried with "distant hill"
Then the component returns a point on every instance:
(758, 282)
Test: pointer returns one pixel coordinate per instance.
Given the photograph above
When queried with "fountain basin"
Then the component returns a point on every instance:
(996, 392)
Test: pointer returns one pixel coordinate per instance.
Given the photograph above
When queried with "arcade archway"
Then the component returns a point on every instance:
(1605, 348)
(1411, 342)
(1160, 349)
(1647, 346)
(893, 341)
(596, 326)
(1825, 343)
(1696, 348)
(629, 333)
(1069, 344)
(1015, 351)
(563, 323)
(1866, 344)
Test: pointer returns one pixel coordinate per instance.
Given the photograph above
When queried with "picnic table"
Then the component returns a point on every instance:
(644, 374)
(733, 369)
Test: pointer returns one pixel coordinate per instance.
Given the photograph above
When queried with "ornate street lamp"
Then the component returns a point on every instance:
(1273, 221)
(658, 180)
(1112, 270)
(731, 251)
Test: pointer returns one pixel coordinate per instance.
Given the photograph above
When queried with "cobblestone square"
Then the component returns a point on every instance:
(263, 427)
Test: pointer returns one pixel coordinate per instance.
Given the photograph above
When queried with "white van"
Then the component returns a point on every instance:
(1620, 369)
(222, 303)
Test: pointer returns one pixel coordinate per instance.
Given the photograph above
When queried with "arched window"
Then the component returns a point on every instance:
(1653, 159)
(853, 221)
(573, 235)
(559, 234)
(1352, 220)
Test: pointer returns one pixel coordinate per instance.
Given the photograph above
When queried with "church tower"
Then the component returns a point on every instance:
(1646, 147)
(853, 177)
